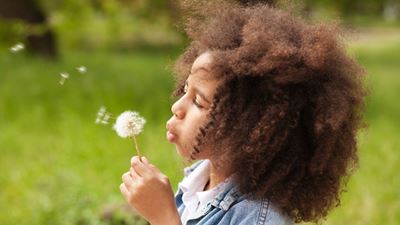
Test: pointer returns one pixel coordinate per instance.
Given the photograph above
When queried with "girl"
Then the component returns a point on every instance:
(270, 107)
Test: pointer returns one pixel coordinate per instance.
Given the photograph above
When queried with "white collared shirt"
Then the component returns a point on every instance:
(192, 186)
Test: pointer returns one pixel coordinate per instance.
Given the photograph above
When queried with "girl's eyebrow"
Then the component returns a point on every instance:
(199, 68)
(199, 92)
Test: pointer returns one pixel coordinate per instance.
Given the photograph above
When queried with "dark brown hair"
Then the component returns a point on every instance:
(285, 118)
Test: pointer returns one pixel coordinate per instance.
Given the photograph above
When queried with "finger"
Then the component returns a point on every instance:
(124, 191)
(144, 159)
(151, 166)
(140, 168)
(133, 174)
(127, 179)
(154, 169)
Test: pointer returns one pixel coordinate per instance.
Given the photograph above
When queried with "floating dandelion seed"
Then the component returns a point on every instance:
(128, 125)
(105, 119)
(101, 111)
(81, 69)
(64, 76)
(102, 116)
(17, 47)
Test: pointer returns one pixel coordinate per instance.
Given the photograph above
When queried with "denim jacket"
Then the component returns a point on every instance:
(233, 208)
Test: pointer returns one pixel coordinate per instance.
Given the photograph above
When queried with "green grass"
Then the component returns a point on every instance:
(57, 164)
(59, 167)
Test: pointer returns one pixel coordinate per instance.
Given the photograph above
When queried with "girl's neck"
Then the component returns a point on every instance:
(216, 176)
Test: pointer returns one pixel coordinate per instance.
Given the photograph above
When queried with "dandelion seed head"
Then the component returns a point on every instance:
(129, 124)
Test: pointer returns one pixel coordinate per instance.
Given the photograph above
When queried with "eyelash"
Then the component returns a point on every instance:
(197, 104)
(194, 100)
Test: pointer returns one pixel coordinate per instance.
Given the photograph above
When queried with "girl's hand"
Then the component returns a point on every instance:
(148, 190)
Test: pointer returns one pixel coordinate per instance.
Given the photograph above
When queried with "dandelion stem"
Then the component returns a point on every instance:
(137, 148)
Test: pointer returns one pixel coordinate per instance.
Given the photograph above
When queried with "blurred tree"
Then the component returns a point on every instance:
(40, 39)
(349, 7)
(175, 10)
(127, 24)
(391, 10)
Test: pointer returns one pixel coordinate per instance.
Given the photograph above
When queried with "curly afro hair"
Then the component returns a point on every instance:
(285, 118)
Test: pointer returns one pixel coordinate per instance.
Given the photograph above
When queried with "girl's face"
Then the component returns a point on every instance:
(190, 111)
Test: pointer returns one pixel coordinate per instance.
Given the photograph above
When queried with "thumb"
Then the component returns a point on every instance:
(144, 159)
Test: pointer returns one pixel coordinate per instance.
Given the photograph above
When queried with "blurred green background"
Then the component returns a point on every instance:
(59, 167)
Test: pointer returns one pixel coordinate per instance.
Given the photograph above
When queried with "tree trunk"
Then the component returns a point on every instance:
(43, 44)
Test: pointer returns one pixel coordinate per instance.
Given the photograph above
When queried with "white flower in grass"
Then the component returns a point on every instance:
(129, 124)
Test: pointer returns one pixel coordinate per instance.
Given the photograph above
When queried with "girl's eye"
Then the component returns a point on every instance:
(197, 104)
(194, 100)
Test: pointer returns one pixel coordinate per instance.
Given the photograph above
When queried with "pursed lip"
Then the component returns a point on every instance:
(171, 134)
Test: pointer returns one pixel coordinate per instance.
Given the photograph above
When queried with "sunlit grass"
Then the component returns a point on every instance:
(58, 165)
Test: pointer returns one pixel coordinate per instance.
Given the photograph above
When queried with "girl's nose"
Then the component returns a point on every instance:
(179, 114)
(177, 109)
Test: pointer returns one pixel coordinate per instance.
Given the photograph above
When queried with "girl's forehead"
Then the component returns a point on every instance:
(203, 61)
(201, 69)
(201, 76)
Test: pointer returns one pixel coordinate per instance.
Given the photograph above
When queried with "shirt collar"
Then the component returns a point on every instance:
(196, 180)
(197, 176)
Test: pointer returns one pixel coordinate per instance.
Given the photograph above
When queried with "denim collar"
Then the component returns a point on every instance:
(223, 200)
(227, 197)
